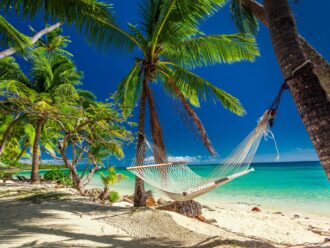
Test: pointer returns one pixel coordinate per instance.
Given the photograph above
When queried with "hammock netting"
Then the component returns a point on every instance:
(180, 183)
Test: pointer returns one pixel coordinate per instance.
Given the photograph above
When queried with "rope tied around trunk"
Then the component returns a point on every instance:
(275, 104)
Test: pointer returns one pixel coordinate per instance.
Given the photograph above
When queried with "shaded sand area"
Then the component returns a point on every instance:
(41, 216)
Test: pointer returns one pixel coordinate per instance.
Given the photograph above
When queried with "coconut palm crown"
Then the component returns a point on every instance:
(170, 45)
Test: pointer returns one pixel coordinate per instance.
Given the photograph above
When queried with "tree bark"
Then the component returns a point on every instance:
(322, 67)
(188, 208)
(34, 39)
(35, 178)
(310, 98)
(139, 192)
(77, 182)
(6, 134)
(20, 155)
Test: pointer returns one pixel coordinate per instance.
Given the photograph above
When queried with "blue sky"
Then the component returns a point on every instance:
(255, 84)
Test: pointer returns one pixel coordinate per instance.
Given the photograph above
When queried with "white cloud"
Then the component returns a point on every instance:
(189, 159)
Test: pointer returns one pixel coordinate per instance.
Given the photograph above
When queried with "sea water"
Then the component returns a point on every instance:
(297, 186)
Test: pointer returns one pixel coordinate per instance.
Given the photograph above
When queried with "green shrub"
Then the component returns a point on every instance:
(114, 196)
(5, 175)
(58, 176)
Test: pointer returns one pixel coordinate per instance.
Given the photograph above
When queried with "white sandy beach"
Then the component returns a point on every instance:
(74, 221)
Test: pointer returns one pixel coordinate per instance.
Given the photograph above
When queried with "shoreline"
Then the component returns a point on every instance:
(212, 199)
(89, 224)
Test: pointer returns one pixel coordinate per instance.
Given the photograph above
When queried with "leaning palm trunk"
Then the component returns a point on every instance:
(6, 134)
(159, 151)
(35, 178)
(20, 155)
(310, 98)
(322, 68)
(139, 194)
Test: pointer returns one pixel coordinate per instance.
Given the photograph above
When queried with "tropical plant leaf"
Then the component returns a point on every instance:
(10, 70)
(91, 17)
(191, 84)
(243, 19)
(212, 49)
(129, 90)
(11, 37)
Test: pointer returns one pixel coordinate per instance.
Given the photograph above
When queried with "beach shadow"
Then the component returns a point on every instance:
(234, 243)
(14, 225)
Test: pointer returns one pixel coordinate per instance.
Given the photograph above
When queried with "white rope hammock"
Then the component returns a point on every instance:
(180, 183)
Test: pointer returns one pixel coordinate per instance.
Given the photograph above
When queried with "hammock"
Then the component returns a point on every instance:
(180, 183)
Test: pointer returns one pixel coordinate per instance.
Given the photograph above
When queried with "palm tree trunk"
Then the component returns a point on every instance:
(156, 130)
(35, 178)
(6, 134)
(20, 155)
(139, 192)
(322, 67)
(310, 98)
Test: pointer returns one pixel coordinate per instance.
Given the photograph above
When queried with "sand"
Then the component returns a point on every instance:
(61, 218)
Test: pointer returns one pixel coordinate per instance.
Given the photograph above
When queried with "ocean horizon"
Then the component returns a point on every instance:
(297, 186)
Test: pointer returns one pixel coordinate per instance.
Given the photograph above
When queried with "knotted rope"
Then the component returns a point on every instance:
(275, 104)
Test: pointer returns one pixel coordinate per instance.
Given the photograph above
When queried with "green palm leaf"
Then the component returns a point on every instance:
(10, 37)
(10, 70)
(212, 49)
(243, 19)
(191, 84)
(91, 17)
(129, 89)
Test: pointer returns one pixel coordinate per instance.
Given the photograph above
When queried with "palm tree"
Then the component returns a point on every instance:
(311, 89)
(310, 98)
(91, 17)
(53, 81)
(170, 44)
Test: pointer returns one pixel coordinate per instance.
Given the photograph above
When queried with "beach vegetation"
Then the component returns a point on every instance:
(109, 181)
(58, 176)
(54, 114)
(114, 196)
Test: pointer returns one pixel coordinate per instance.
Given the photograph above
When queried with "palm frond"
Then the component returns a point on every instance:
(11, 37)
(149, 12)
(243, 19)
(91, 17)
(164, 13)
(10, 70)
(65, 91)
(212, 49)
(185, 18)
(41, 72)
(129, 90)
(14, 88)
(192, 84)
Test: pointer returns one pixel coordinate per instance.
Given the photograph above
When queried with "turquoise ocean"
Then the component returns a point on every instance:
(297, 186)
